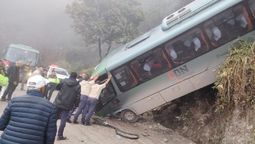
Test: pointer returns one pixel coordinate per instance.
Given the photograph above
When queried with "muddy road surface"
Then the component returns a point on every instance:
(149, 132)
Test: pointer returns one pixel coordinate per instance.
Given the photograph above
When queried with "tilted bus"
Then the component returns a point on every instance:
(178, 57)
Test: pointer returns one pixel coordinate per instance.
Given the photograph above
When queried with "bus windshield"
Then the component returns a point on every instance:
(14, 54)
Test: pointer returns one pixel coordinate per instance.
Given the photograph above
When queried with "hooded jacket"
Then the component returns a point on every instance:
(29, 119)
(69, 94)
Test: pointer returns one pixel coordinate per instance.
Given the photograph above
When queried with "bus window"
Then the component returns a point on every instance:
(252, 6)
(242, 19)
(150, 64)
(228, 25)
(124, 78)
(214, 34)
(189, 45)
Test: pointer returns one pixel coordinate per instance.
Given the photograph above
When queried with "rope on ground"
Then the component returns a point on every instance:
(118, 131)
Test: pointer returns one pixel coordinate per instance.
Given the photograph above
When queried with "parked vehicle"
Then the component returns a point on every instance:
(60, 72)
(19, 52)
(26, 54)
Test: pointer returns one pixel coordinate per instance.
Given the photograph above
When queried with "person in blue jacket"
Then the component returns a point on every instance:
(29, 119)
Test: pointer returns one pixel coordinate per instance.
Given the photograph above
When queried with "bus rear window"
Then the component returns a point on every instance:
(228, 25)
(252, 6)
(124, 78)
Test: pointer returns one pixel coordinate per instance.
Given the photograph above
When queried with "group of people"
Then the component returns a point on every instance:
(31, 119)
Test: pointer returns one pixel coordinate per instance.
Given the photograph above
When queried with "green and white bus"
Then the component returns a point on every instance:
(178, 57)
(26, 54)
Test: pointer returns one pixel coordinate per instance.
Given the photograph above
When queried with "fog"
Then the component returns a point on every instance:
(44, 25)
(34, 21)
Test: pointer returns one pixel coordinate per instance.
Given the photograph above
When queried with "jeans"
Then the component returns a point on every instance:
(9, 90)
(81, 107)
(63, 117)
(71, 112)
(89, 109)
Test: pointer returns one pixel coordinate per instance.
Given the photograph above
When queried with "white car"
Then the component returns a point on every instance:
(60, 72)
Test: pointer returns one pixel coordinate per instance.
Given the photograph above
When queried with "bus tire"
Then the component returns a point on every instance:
(128, 116)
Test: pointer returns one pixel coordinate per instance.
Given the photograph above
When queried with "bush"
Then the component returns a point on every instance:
(236, 78)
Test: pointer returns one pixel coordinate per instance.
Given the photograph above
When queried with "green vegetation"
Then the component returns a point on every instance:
(236, 78)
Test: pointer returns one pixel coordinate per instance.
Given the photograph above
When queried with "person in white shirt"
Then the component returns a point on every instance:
(93, 96)
(85, 90)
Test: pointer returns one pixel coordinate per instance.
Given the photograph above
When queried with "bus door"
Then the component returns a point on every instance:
(107, 102)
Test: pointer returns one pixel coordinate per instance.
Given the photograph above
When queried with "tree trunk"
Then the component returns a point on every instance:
(108, 49)
(99, 49)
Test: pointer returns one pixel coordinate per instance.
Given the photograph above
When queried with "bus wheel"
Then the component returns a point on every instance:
(128, 116)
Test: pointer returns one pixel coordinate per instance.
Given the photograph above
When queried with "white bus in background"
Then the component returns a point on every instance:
(176, 58)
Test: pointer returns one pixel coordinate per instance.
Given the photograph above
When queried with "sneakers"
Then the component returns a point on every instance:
(87, 123)
(61, 138)
(75, 122)
(69, 121)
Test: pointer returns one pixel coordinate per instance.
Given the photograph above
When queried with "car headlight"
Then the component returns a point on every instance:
(29, 74)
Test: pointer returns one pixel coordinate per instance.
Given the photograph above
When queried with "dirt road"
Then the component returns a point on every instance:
(149, 132)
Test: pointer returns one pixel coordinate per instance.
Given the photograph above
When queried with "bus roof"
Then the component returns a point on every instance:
(161, 34)
(23, 47)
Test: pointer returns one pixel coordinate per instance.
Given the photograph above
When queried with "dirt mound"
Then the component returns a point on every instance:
(193, 116)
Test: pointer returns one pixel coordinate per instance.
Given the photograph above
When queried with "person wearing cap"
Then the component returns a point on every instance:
(68, 96)
(29, 119)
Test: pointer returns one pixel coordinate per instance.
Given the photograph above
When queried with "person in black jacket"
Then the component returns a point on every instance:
(67, 98)
(13, 75)
(29, 119)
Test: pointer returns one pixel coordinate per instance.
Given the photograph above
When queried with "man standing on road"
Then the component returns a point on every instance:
(51, 86)
(68, 96)
(29, 119)
(85, 90)
(93, 97)
(13, 75)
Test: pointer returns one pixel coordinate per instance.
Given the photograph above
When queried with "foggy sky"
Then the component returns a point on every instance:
(35, 23)
(44, 25)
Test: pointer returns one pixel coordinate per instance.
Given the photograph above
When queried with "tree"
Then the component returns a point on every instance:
(105, 22)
